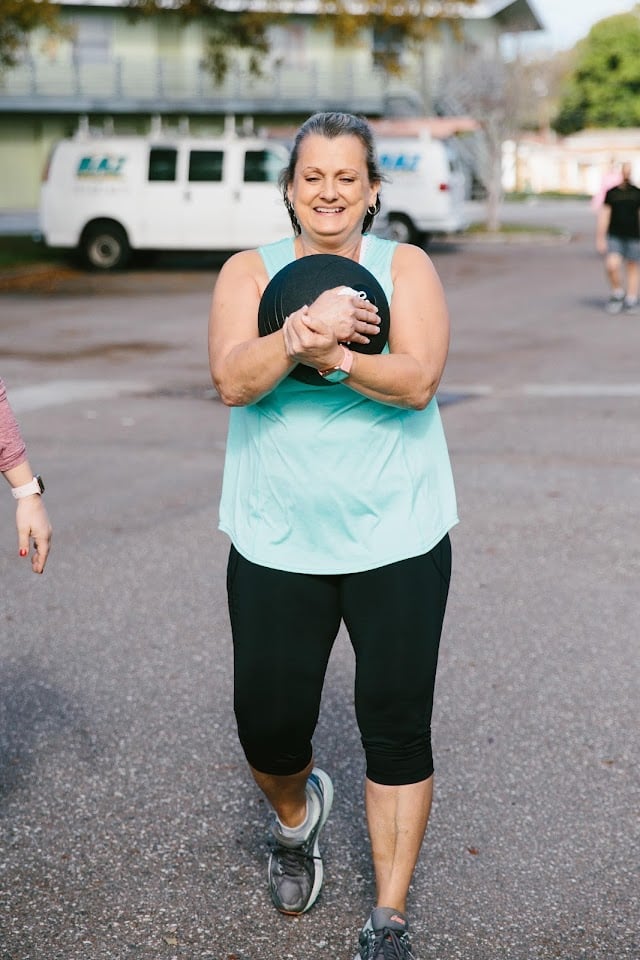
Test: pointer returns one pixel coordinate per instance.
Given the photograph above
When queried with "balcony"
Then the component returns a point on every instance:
(174, 86)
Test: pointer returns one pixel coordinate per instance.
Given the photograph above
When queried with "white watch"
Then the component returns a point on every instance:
(27, 489)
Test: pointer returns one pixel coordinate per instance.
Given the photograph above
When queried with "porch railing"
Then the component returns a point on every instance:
(172, 85)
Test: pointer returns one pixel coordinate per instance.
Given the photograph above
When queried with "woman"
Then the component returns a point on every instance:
(31, 515)
(338, 501)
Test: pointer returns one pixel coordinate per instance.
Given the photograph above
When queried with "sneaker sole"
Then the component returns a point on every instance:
(322, 784)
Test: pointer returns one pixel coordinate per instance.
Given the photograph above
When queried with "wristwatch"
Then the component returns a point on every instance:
(27, 489)
(341, 371)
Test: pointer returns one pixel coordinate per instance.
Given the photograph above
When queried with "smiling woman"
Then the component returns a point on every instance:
(338, 504)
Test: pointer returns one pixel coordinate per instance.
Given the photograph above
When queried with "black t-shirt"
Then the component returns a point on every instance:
(624, 201)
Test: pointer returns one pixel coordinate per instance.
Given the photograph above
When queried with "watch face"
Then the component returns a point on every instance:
(336, 376)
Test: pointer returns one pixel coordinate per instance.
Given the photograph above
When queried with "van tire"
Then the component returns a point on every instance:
(400, 227)
(105, 246)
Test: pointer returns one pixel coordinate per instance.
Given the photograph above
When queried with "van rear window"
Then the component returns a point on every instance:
(261, 166)
(162, 163)
(205, 165)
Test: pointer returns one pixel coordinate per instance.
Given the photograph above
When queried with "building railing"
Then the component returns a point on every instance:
(173, 85)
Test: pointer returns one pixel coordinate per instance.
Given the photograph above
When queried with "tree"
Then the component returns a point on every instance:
(405, 22)
(492, 92)
(18, 18)
(545, 77)
(604, 87)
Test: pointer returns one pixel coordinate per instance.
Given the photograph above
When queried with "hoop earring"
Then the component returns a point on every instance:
(373, 209)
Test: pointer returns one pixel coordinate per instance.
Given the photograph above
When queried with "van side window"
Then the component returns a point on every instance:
(162, 163)
(262, 166)
(205, 165)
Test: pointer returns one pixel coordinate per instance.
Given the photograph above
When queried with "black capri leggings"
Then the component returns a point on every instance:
(284, 626)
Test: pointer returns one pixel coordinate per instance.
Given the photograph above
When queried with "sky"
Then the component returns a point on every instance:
(568, 21)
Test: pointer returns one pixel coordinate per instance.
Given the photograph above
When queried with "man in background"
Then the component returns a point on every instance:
(618, 239)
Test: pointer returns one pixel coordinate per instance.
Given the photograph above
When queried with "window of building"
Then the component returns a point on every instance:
(162, 163)
(387, 48)
(92, 38)
(205, 165)
(288, 45)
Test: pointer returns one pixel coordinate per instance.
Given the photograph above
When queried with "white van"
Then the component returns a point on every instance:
(109, 195)
(426, 188)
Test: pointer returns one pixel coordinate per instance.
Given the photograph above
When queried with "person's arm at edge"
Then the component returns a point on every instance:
(32, 521)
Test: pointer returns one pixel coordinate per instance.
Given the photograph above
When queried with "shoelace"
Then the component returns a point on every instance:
(390, 945)
(291, 860)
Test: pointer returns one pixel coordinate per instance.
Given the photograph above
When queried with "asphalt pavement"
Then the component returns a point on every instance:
(129, 827)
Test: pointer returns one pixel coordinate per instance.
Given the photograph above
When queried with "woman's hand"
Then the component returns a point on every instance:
(350, 318)
(310, 340)
(32, 522)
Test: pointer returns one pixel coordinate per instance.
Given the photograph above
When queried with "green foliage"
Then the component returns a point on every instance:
(604, 87)
(18, 18)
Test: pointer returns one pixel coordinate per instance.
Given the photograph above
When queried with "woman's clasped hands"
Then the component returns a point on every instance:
(312, 333)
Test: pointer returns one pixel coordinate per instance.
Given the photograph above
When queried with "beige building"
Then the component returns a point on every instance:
(115, 73)
(577, 164)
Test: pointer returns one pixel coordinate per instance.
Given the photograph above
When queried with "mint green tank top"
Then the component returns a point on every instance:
(323, 480)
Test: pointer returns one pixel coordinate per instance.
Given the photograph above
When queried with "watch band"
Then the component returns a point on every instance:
(345, 364)
(28, 489)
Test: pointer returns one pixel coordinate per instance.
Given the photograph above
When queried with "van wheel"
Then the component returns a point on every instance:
(400, 228)
(105, 246)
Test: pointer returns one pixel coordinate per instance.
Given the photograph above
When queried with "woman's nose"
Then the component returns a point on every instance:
(329, 191)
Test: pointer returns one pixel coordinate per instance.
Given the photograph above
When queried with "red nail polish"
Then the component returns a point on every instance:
(23, 552)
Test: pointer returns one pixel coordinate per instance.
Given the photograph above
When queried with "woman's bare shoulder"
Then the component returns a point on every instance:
(408, 255)
(244, 262)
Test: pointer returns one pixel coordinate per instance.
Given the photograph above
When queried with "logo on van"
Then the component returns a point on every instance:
(100, 165)
(402, 162)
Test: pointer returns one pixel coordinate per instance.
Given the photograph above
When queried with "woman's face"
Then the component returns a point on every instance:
(331, 191)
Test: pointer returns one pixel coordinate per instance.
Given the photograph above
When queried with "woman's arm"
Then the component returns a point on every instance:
(32, 520)
(12, 447)
(245, 366)
(408, 376)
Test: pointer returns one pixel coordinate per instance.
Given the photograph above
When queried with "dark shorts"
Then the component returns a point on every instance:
(626, 247)
(284, 626)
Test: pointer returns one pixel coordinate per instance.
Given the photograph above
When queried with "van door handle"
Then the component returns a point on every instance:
(236, 195)
(187, 195)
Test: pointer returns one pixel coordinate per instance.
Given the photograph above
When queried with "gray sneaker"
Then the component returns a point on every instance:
(615, 304)
(295, 869)
(384, 937)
